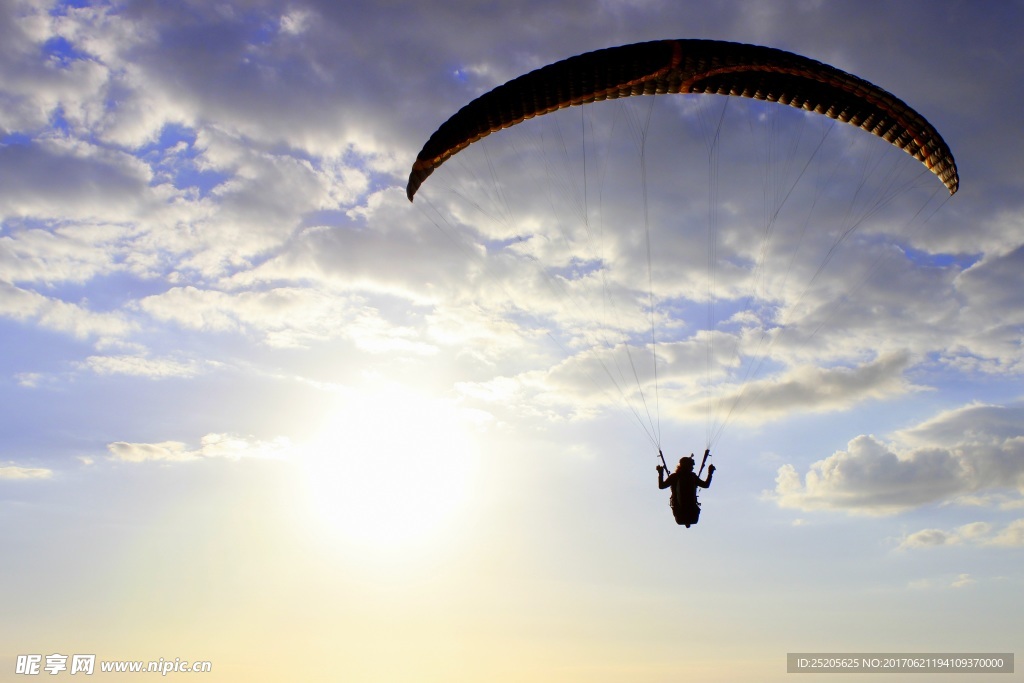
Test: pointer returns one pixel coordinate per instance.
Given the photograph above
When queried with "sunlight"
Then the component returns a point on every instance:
(389, 468)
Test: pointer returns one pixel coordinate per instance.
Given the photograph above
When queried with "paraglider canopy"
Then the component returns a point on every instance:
(690, 67)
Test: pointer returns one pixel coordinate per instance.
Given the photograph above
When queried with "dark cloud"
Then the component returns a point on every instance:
(995, 283)
(822, 389)
(69, 182)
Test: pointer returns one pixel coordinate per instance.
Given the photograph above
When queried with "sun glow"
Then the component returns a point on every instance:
(390, 468)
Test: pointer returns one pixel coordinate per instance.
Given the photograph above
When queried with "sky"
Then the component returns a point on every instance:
(262, 411)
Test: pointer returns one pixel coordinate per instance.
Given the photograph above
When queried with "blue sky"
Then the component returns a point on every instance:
(261, 410)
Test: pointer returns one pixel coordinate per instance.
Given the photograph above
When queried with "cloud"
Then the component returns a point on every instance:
(141, 452)
(602, 378)
(60, 316)
(976, 423)
(385, 247)
(993, 284)
(228, 446)
(1012, 536)
(869, 478)
(978, 534)
(17, 472)
(972, 450)
(280, 115)
(140, 366)
(67, 180)
(814, 389)
(931, 538)
(250, 185)
(35, 87)
(928, 538)
(962, 580)
(30, 380)
(288, 317)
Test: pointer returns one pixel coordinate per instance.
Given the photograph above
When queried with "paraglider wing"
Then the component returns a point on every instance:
(691, 67)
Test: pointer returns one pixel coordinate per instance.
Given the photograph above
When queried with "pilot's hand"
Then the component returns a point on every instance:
(711, 469)
(659, 468)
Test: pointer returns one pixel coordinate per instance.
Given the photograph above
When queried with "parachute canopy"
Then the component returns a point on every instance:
(691, 67)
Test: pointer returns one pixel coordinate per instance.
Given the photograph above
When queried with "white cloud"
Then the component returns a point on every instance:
(53, 314)
(599, 377)
(229, 446)
(29, 380)
(975, 532)
(995, 233)
(296, 21)
(287, 317)
(869, 478)
(385, 248)
(140, 366)
(141, 452)
(1011, 536)
(17, 472)
(979, 534)
(35, 87)
(962, 580)
(927, 538)
(976, 449)
(976, 423)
